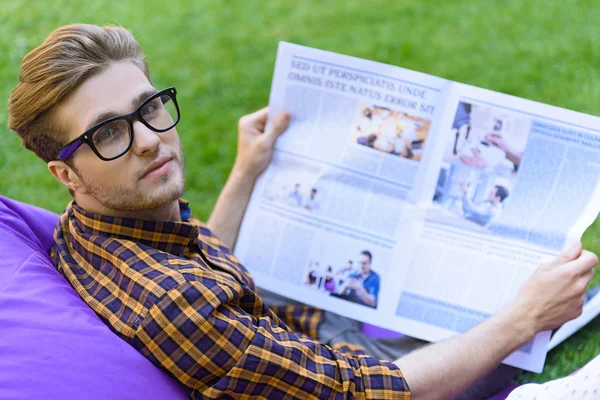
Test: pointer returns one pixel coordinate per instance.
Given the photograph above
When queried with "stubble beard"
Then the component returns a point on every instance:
(134, 199)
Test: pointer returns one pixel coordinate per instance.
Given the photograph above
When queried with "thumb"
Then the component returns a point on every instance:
(278, 126)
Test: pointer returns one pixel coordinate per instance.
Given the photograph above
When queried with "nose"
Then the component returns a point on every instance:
(145, 140)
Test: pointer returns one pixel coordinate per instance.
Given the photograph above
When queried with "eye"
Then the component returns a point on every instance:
(149, 108)
(104, 134)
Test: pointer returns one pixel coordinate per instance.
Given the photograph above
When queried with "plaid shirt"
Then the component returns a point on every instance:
(174, 292)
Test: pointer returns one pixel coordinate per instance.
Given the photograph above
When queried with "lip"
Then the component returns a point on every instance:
(158, 167)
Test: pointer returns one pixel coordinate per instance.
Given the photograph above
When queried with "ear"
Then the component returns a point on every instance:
(67, 176)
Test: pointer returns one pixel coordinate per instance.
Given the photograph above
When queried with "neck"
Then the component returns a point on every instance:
(168, 212)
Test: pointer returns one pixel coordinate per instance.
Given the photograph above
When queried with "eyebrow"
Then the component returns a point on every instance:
(139, 99)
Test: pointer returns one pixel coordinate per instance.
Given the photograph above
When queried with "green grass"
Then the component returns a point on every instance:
(220, 56)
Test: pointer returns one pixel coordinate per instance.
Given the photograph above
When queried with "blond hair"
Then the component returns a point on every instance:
(49, 73)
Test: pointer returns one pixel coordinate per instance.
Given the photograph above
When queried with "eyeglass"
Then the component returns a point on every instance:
(112, 138)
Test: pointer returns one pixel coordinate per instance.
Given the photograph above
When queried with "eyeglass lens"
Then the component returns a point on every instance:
(113, 139)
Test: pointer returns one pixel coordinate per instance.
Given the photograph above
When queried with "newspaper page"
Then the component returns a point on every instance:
(330, 204)
(517, 180)
(410, 202)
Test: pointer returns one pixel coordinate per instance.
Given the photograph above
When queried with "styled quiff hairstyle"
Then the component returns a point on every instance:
(50, 72)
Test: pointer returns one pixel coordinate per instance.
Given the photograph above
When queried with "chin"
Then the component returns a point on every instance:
(152, 198)
(172, 191)
(173, 182)
(135, 198)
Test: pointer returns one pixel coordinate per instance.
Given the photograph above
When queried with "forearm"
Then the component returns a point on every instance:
(226, 218)
(470, 207)
(514, 157)
(253, 355)
(367, 298)
(447, 368)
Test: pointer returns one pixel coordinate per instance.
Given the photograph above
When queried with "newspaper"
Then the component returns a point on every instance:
(411, 202)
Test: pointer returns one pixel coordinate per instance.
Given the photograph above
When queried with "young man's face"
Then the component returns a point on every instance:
(150, 175)
(365, 264)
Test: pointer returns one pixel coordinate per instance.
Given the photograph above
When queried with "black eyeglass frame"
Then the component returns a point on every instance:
(86, 137)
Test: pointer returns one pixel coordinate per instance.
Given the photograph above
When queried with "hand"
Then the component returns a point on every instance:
(476, 160)
(464, 188)
(511, 154)
(497, 140)
(353, 284)
(554, 294)
(255, 146)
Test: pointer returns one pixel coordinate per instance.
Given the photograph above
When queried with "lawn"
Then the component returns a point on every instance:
(220, 56)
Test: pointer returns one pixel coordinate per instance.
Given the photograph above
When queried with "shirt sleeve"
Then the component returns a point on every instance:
(472, 208)
(221, 341)
(373, 288)
(301, 319)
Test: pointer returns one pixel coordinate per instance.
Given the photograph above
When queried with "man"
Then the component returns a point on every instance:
(295, 197)
(312, 204)
(344, 273)
(165, 284)
(484, 214)
(363, 285)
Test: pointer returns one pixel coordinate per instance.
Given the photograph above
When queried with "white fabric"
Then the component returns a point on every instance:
(585, 384)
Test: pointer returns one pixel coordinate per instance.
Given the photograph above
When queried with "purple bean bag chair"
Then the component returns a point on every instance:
(52, 346)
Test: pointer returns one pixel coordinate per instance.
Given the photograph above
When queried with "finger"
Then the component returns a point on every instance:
(493, 139)
(584, 281)
(256, 118)
(588, 275)
(584, 263)
(466, 160)
(570, 254)
(278, 126)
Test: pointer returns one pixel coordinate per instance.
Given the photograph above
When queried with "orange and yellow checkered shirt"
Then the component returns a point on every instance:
(174, 292)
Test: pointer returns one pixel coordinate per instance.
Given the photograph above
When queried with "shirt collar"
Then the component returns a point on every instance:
(364, 276)
(168, 236)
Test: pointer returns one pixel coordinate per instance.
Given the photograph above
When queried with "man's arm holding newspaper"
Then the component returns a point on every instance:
(468, 205)
(255, 149)
(553, 295)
